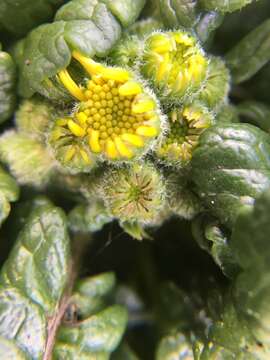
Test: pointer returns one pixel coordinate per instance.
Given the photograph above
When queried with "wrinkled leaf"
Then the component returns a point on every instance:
(30, 294)
(231, 167)
(88, 26)
(225, 6)
(176, 13)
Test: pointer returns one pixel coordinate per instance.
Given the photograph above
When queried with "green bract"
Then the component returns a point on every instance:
(7, 85)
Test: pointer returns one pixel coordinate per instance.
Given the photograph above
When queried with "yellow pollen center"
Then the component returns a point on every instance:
(115, 116)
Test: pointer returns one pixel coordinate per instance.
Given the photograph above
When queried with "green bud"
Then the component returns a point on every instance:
(9, 192)
(29, 160)
(7, 85)
(89, 218)
(134, 193)
(175, 64)
(186, 124)
(125, 53)
(34, 116)
(224, 6)
(216, 88)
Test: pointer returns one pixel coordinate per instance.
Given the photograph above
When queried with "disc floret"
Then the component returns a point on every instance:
(117, 118)
(186, 124)
(175, 63)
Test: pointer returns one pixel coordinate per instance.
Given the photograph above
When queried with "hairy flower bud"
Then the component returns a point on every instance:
(175, 63)
(186, 124)
(134, 193)
(117, 118)
(215, 90)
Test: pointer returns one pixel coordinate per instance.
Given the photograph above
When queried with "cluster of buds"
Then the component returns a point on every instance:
(127, 123)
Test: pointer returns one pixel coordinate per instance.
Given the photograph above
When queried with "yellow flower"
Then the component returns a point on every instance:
(175, 63)
(185, 127)
(116, 118)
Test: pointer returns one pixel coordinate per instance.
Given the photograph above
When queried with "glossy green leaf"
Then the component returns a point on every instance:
(230, 168)
(7, 85)
(250, 54)
(9, 192)
(29, 13)
(30, 294)
(89, 218)
(174, 346)
(100, 328)
(88, 26)
(225, 6)
(212, 238)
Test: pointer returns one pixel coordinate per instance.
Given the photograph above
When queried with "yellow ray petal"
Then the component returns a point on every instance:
(94, 141)
(69, 154)
(76, 129)
(148, 131)
(85, 156)
(134, 140)
(143, 106)
(90, 65)
(111, 150)
(122, 148)
(130, 88)
(70, 85)
(116, 74)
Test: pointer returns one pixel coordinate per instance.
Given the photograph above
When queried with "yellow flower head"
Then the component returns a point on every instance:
(186, 126)
(116, 118)
(175, 63)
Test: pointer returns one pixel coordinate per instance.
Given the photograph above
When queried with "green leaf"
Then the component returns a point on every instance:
(88, 26)
(224, 6)
(174, 346)
(9, 192)
(29, 13)
(256, 113)
(207, 23)
(7, 85)
(230, 168)
(212, 238)
(89, 217)
(30, 294)
(101, 327)
(250, 54)
(177, 13)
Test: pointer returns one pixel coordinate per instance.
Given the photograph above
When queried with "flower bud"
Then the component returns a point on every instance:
(175, 63)
(186, 124)
(29, 160)
(134, 193)
(216, 88)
